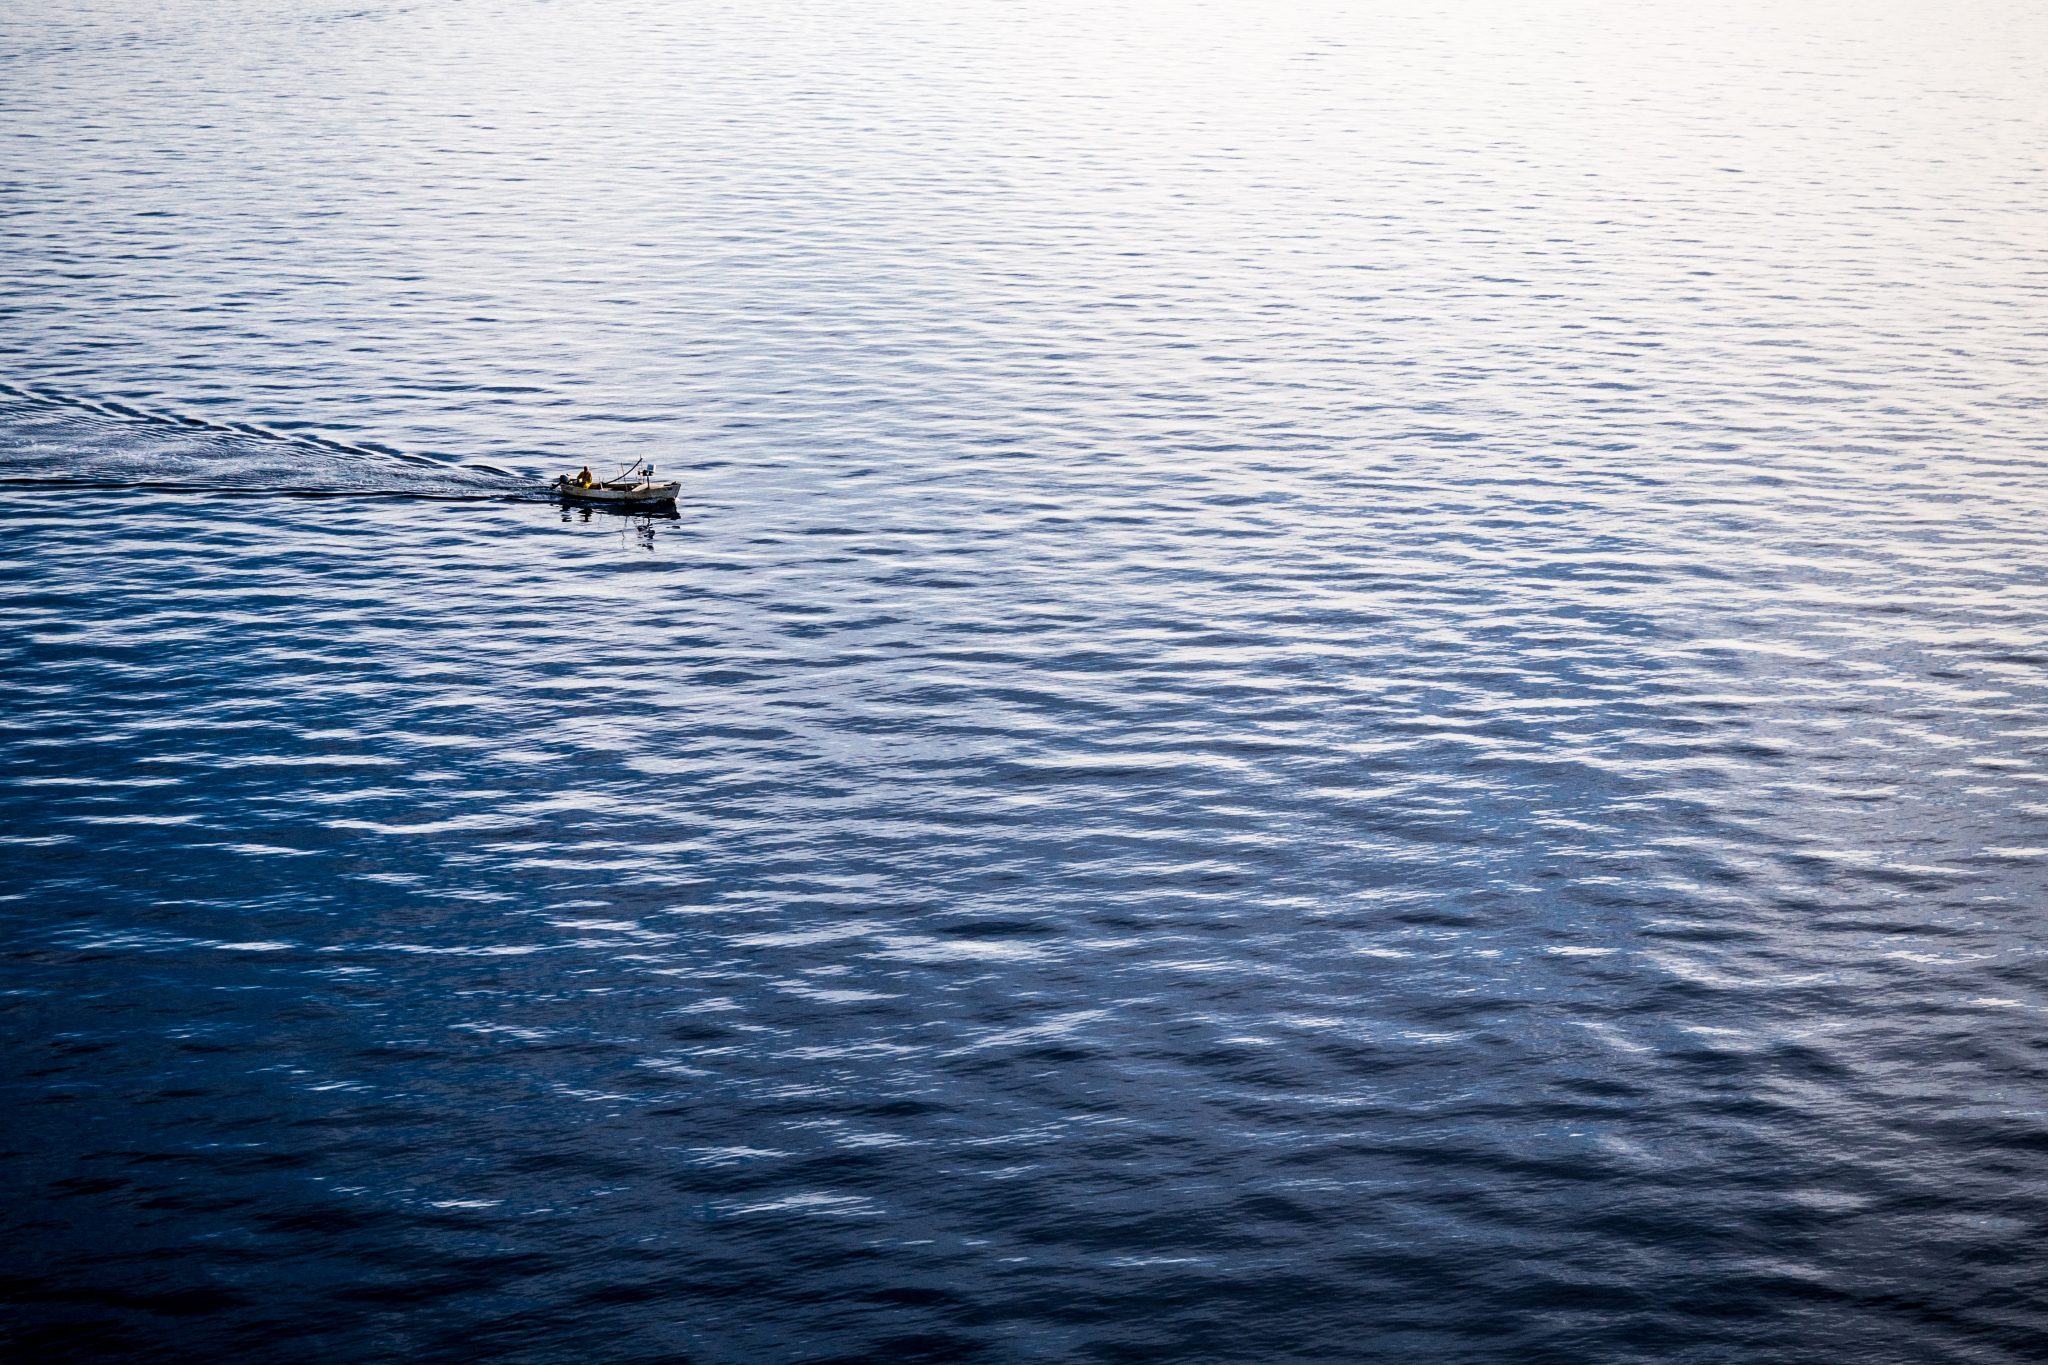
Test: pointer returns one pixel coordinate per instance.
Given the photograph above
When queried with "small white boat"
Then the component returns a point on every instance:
(634, 488)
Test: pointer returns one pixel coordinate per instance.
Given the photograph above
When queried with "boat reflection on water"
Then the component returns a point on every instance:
(639, 521)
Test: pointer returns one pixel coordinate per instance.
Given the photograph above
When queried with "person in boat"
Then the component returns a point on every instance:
(583, 479)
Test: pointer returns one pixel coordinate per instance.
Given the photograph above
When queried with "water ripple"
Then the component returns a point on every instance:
(1328, 685)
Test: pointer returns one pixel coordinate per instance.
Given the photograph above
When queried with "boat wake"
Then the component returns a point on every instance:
(59, 440)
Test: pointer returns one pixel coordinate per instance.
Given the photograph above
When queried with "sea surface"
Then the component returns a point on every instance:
(1334, 683)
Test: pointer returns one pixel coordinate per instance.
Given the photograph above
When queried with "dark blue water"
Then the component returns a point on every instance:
(1332, 685)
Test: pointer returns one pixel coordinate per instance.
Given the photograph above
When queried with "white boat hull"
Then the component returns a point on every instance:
(620, 493)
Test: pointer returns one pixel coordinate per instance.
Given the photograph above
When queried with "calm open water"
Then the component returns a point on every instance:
(1355, 683)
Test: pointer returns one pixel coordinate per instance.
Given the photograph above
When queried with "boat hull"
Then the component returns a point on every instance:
(619, 494)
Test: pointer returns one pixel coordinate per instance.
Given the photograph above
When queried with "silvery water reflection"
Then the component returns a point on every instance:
(1362, 682)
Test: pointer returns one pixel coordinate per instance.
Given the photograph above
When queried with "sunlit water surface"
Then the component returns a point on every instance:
(1337, 684)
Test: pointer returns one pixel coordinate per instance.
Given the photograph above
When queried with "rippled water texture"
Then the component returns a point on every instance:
(1333, 684)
